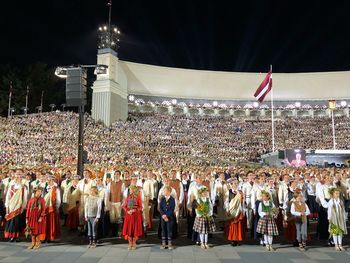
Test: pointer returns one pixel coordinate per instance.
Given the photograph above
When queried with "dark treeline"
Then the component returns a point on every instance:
(40, 78)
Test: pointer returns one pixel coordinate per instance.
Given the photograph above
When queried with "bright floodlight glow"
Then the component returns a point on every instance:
(297, 104)
(61, 72)
(105, 27)
(215, 103)
(343, 103)
(131, 97)
(173, 101)
(255, 104)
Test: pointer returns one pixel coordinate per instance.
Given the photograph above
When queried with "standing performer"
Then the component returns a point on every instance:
(15, 203)
(267, 225)
(71, 200)
(65, 183)
(113, 199)
(35, 217)
(92, 211)
(256, 198)
(177, 185)
(337, 219)
(236, 224)
(247, 192)
(167, 217)
(204, 222)
(221, 197)
(52, 198)
(300, 211)
(311, 198)
(133, 226)
(185, 185)
(149, 195)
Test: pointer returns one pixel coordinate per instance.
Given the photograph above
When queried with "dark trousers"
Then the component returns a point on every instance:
(167, 229)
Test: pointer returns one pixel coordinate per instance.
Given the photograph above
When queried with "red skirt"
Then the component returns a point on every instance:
(38, 228)
(290, 231)
(235, 229)
(133, 225)
(73, 218)
(52, 227)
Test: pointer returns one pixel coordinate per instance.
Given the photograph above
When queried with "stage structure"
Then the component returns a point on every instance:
(110, 96)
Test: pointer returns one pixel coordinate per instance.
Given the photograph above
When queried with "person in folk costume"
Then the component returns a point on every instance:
(185, 181)
(322, 198)
(84, 186)
(40, 181)
(113, 199)
(220, 196)
(149, 196)
(15, 203)
(336, 216)
(256, 198)
(8, 181)
(300, 211)
(283, 194)
(311, 197)
(247, 192)
(71, 200)
(133, 225)
(161, 194)
(92, 212)
(192, 202)
(64, 184)
(167, 217)
(176, 184)
(344, 185)
(126, 178)
(204, 222)
(103, 222)
(266, 224)
(154, 207)
(35, 217)
(236, 224)
(52, 196)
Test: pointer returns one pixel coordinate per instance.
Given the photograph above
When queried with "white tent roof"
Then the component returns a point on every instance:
(184, 83)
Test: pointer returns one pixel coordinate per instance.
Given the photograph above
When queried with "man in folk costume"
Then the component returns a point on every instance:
(185, 184)
(176, 184)
(64, 184)
(220, 195)
(113, 200)
(40, 181)
(15, 203)
(149, 196)
(104, 221)
(235, 227)
(35, 217)
(84, 186)
(71, 200)
(126, 178)
(247, 192)
(193, 196)
(256, 198)
(311, 197)
(52, 196)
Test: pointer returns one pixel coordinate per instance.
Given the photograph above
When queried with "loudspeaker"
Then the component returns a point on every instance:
(281, 154)
(76, 87)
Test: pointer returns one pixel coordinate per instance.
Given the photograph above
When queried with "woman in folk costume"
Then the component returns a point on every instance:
(204, 222)
(52, 196)
(300, 211)
(256, 198)
(220, 196)
(337, 219)
(266, 224)
(35, 217)
(290, 233)
(133, 225)
(15, 203)
(236, 225)
(71, 199)
(103, 222)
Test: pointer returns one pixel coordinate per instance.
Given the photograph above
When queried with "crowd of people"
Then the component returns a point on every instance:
(126, 201)
(169, 168)
(160, 140)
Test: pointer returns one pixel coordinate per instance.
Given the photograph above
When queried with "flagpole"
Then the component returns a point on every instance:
(10, 98)
(272, 117)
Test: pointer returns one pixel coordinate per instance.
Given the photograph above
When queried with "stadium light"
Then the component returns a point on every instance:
(61, 72)
(132, 98)
(343, 103)
(255, 104)
(298, 104)
(52, 106)
(101, 70)
(173, 101)
(215, 103)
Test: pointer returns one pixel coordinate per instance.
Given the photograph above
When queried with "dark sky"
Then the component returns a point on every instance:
(293, 36)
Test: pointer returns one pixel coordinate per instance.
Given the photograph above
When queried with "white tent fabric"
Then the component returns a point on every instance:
(184, 83)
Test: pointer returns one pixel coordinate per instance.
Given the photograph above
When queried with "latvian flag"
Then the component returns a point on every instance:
(264, 87)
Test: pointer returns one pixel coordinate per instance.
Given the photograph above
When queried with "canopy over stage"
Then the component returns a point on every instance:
(149, 80)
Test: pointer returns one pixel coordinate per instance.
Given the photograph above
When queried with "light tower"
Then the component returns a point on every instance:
(109, 97)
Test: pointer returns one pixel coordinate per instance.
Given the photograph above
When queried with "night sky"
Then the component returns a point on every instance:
(293, 36)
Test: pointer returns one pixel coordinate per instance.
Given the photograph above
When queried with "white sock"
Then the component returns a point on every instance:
(266, 241)
(206, 238)
(270, 239)
(335, 240)
(201, 237)
(340, 240)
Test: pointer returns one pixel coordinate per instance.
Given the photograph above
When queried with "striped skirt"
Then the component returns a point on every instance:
(267, 226)
(204, 225)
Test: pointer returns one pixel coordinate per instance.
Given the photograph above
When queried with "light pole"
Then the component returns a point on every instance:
(63, 106)
(332, 106)
(26, 108)
(10, 98)
(52, 106)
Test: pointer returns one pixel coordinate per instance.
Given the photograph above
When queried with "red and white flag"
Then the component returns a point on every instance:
(264, 88)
